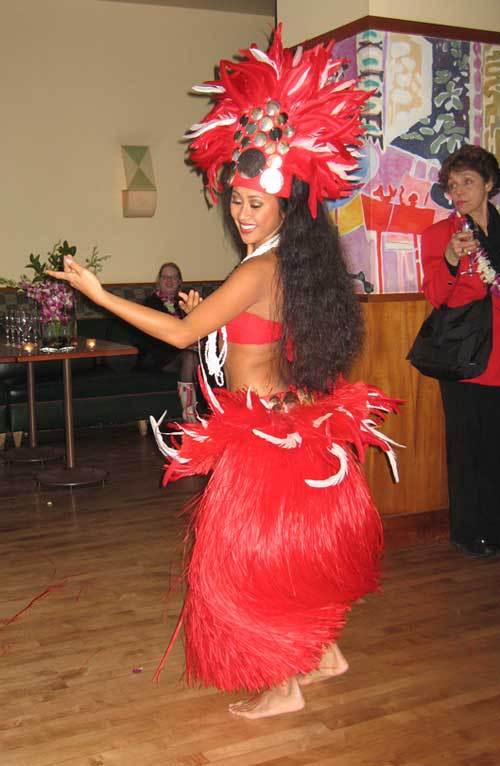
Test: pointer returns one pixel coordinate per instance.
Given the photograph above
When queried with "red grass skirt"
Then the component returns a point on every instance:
(276, 562)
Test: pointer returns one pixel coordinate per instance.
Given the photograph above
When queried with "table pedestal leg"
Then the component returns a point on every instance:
(33, 453)
(71, 476)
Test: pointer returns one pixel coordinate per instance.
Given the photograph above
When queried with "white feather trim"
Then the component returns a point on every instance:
(341, 408)
(370, 425)
(266, 404)
(297, 55)
(264, 58)
(208, 89)
(319, 421)
(299, 84)
(341, 170)
(378, 407)
(202, 127)
(249, 400)
(391, 457)
(289, 442)
(336, 478)
(165, 450)
(197, 437)
(343, 84)
(214, 358)
(213, 400)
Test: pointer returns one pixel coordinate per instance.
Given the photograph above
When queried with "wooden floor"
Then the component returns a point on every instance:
(76, 665)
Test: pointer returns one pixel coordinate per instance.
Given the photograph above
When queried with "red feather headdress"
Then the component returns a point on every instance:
(291, 108)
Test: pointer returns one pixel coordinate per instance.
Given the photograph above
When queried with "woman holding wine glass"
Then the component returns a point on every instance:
(461, 262)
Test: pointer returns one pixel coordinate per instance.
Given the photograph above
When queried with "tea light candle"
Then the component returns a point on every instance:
(90, 343)
(28, 347)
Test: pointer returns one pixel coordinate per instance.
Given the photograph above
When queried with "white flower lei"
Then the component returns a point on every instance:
(480, 259)
(485, 270)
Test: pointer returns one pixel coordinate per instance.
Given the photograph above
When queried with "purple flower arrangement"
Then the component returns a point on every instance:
(56, 300)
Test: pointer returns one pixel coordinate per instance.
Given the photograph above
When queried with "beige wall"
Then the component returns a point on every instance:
(305, 20)
(79, 79)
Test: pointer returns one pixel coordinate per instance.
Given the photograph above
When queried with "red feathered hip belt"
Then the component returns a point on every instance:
(286, 535)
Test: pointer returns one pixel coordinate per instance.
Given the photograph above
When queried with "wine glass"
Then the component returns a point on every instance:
(32, 326)
(8, 324)
(468, 225)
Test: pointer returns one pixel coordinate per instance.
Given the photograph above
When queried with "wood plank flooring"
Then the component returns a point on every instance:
(86, 573)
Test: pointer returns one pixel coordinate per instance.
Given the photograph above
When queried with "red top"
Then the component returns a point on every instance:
(251, 329)
(441, 287)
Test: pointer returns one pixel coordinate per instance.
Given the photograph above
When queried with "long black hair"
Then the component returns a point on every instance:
(320, 311)
(321, 314)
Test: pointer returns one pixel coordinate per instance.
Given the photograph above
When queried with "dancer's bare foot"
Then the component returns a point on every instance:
(333, 663)
(284, 698)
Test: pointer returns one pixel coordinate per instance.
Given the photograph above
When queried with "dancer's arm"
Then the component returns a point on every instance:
(246, 286)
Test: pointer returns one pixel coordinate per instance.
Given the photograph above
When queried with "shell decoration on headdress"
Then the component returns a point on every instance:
(293, 108)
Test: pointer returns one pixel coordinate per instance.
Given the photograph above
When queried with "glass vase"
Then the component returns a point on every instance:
(60, 332)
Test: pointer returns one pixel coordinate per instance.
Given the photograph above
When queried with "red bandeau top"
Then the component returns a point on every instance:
(249, 328)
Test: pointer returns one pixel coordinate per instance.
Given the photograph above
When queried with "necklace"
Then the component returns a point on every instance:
(267, 245)
(485, 270)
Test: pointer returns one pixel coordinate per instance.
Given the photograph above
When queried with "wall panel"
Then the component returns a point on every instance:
(392, 321)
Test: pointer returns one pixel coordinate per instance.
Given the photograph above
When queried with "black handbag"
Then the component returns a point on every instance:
(454, 343)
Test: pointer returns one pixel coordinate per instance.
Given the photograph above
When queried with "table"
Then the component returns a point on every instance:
(71, 475)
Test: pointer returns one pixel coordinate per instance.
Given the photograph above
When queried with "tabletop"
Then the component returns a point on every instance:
(79, 351)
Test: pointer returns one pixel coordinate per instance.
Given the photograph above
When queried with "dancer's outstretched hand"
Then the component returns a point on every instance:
(80, 278)
(189, 301)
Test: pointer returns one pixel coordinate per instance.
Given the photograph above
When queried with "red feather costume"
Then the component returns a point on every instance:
(286, 535)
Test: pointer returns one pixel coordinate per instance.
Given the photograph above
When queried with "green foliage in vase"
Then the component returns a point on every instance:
(53, 262)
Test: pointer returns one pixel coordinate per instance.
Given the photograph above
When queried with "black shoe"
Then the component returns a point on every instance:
(478, 548)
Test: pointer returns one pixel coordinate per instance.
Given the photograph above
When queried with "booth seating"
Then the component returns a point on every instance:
(106, 391)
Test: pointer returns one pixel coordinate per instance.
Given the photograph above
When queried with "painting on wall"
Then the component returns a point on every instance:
(428, 96)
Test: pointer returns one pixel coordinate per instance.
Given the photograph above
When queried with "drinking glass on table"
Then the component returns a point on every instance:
(15, 327)
(20, 325)
(9, 326)
(23, 326)
(5, 325)
(32, 327)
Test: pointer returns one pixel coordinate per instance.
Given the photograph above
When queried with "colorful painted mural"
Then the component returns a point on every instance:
(428, 96)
